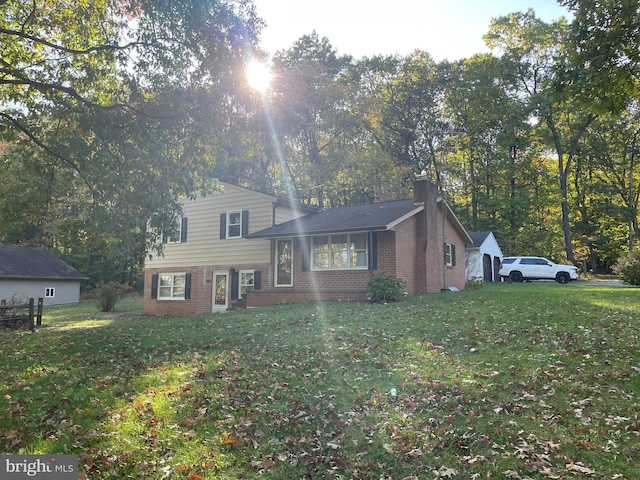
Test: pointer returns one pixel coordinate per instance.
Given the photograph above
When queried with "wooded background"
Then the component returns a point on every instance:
(111, 110)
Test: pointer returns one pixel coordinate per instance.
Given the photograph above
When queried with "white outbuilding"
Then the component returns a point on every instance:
(483, 257)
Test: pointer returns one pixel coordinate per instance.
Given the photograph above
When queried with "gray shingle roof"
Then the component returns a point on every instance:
(371, 217)
(478, 237)
(34, 262)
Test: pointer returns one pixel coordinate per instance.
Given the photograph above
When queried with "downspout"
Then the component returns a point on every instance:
(443, 243)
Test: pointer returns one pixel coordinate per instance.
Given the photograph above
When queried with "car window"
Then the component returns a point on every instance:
(541, 261)
(528, 261)
(508, 260)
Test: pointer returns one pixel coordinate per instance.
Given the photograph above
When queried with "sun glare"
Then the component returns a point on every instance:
(259, 75)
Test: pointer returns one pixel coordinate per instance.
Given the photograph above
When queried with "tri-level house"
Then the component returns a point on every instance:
(247, 247)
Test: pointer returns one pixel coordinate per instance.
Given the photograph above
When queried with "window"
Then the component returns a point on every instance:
(179, 234)
(247, 278)
(234, 224)
(49, 292)
(172, 286)
(284, 259)
(344, 251)
(449, 255)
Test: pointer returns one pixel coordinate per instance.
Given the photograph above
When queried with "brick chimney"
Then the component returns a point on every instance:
(425, 191)
(428, 242)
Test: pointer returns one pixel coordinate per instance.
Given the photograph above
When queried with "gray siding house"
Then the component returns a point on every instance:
(27, 272)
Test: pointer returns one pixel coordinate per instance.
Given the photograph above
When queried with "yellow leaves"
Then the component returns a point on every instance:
(230, 438)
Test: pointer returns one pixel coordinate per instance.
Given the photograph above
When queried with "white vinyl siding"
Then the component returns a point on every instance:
(234, 224)
(204, 246)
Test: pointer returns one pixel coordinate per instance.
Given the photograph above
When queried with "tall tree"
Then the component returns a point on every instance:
(310, 107)
(492, 135)
(406, 119)
(610, 160)
(123, 104)
(604, 49)
(535, 49)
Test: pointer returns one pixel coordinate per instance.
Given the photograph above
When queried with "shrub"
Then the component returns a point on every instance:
(107, 295)
(475, 283)
(628, 268)
(383, 288)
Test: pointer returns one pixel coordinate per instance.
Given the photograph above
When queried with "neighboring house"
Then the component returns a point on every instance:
(249, 246)
(31, 272)
(483, 257)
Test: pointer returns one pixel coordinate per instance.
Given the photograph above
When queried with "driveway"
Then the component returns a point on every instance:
(603, 281)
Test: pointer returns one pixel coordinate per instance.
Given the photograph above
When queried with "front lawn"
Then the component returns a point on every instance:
(516, 381)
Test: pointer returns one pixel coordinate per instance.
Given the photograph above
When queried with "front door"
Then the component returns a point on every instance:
(220, 297)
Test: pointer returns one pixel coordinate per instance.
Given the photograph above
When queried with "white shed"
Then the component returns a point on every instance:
(483, 257)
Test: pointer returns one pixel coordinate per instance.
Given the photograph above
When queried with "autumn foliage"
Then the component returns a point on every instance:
(526, 381)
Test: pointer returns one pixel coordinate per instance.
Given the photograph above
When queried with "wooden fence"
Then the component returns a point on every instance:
(13, 315)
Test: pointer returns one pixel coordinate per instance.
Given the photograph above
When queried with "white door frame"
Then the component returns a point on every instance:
(216, 304)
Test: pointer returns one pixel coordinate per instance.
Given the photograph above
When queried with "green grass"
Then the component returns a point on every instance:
(508, 381)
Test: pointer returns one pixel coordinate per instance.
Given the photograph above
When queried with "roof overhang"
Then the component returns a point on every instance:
(456, 221)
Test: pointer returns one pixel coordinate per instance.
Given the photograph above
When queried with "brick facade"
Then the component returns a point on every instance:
(413, 250)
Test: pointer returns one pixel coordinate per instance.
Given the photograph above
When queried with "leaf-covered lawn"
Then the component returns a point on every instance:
(511, 381)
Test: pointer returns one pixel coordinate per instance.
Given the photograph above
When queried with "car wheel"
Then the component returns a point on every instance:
(515, 277)
(562, 277)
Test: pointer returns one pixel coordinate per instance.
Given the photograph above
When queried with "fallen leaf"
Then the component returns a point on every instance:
(577, 467)
(265, 464)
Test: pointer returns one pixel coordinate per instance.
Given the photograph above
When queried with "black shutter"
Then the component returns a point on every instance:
(305, 244)
(223, 226)
(187, 286)
(164, 237)
(373, 251)
(245, 223)
(256, 280)
(183, 230)
(154, 286)
(235, 284)
(453, 255)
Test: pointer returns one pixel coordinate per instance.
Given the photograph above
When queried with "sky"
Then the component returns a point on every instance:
(447, 29)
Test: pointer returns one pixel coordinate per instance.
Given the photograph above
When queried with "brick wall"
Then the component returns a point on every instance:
(346, 285)
(413, 251)
(201, 289)
(405, 251)
(434, 227)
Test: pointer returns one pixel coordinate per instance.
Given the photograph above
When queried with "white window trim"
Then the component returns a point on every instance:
(448, 255)
(178, 233)
(240, 284)
(173, 276)
(229, 225)
(49, 292)
(275, 280)
(329, 260)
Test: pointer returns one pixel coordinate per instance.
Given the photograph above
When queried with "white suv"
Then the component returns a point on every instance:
(517, 269)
